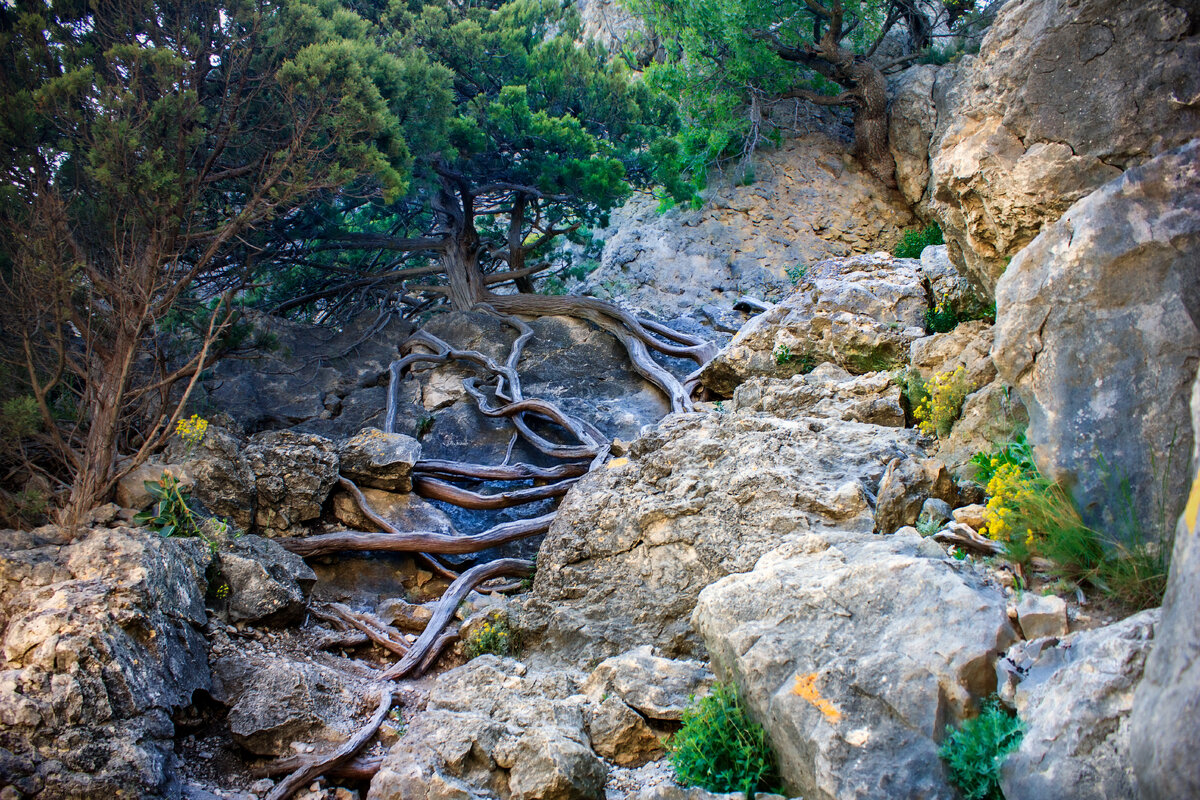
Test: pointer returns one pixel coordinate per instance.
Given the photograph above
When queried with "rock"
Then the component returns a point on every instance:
(1042, 615)
(934, 512)
(1060, 99)
(619, 734)
(968, 346)
(293, 475)
(990, 416)
(862, 313)
(404, 615)
(266, 583)
(974, 515)
(1075, 703)
(131, 489)
(697, 498)
(380, 460)
(408, 512)
(224, 482)
(906, 486)
(810, 200)
(1165, 724)
(102, 644)
(828, 391)
(948, 286)
(834, 641)
(612, 25)
(1098, 333)
(673, 791)
(912, 117)
(275, 700)
(494, 728)
(660, 688)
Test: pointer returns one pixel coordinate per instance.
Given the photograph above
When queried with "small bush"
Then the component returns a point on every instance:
(975, 753)
(1017, 452)
(796, 273)
(494, 636)
(801, 362)
(19, 417)
(719, 748)
(914, 241)
(173, 515)
(945, 393)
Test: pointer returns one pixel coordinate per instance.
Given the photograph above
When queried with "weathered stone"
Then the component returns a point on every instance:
(948, 286)
(1042, 615)
(293, 475)
(832, 641)
(974, 515)
(697, 498)
(380, 460)
(266, 583)
(968, 346)
(989, 417)
(1075, 702)
(660, 688)
(912, 117)
(862, 313)
(906, 486)
(101, 644)
(1060, 99)
(827, 391)
(1165, 724)
(223, 481)
(934, 512)
(493, 728)
(1098, 332)
(612, 25)
(404, 615)
(619, 734)
(408, 512)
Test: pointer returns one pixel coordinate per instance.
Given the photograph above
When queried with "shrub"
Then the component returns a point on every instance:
(914, 241)
(796, 273)
(719, 748)
(172, 514)
(494, 636)
(938, 410)
(802, 362)
(975, 753)
(19, 417)
(946, 315)
(1016, 452)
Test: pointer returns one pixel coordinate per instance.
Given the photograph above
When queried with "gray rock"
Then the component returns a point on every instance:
(131, 489)
(828, 391)
(968, 346)
(101, 644)
(293, 475)
(494, 728)
(1075, 703)
(1165, 724)
(660, 688)
(912, 117)
(266, 583)
(862, 313)
(990, 416)
(1042, 615)
(934, 512)
(1098, 333)
(699, 497)
(835, 644)
(408, 512)
(223, 482)
(948, 286)
(905, 487)
(1061, 98)
(380, 460)
(619, 734)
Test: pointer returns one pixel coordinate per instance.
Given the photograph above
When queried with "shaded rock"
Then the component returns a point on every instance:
(266, 583)
(293, 475)
(990, 416)
(224, 482)
(408, 512)
(380, 460)
(404, 615)
(611, 24)
(862, 313)
(1098, 333)
(493, 728)
(912, 117)
(1075, 702)
(619, 734)
(832, 641)
(827, 391)
(660, 688)
(906, 486)
(131, 489)
(275, 700)
(697, 498)
(1061, 98)
(101, 644)
(1040, 616)
(934, 512)
(969, 346)
(1165, 724)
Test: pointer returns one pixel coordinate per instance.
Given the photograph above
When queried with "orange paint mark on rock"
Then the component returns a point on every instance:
(806, 687)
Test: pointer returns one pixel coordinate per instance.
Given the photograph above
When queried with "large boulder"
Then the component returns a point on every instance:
(912, 118)
(828, 391)
(701, 496)
(906, 486)
(1166, 708)
(380, 460)
(102, 644)
(495, 728)
(293, 473)
(1098, 331)
(855, 652)
(1062, 97)
(1075, 702)
(862, 313)
(265, 582)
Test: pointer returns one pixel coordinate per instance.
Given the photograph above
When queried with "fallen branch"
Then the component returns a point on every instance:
(362, 768)
(375, 629)
(484, 472)
(435, 651)
(964, 536)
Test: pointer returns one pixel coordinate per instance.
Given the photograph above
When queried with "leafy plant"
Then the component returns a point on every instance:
(19, 417)
(802, 362)
(494, 636)
(782, 353)
(975, 753)
(1017, 453)
(915, 240)
(796, 273)
(172, 514)
(719, 748)
(945, 316)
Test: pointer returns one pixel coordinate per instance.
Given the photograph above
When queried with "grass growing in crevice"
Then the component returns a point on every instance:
(917, 239)
(719, 748)
(975, 753)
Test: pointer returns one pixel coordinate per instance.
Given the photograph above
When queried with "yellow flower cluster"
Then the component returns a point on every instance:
(192, 429)
(490, 637)
(1008, 488)
(938, 410)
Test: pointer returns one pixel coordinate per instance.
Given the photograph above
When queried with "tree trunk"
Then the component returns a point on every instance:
(871, 121)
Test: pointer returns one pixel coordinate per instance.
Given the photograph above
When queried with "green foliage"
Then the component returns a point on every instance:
(916, 240)
(1016, 452)
(802, 363)
(975, 753)
(719, 748)
(424, 425)
(912, 386)
(945, 316)
(941, 400)
(493, 636)
(172, 514)
(796, 273)
(19, 418)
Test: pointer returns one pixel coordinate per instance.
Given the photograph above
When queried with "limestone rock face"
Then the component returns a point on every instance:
(659, 688)
(1166, 708)
(494, 728)
(912, 118)
(1075, 702)
(905, 487)
(620, 734)
(828, 391)
(380, 460)
(968, 345)
(701, 496)
(1098, 332)
(861, 313)
(610, 23)
(266, 583)
(989, 416)
(1061, 98)
(810, 200)
(835, 644)
(293, 474)
(102, 643)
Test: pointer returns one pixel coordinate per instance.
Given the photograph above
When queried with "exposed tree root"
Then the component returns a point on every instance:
(433, 489)
(419, 541)
(375, 629)
(483, 472)
(362, 768)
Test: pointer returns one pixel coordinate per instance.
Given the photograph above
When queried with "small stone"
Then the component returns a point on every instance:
(315, 786)
(262, 786)
(934, 512)
(973, 515)
(1042, 615)
(342, 793)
